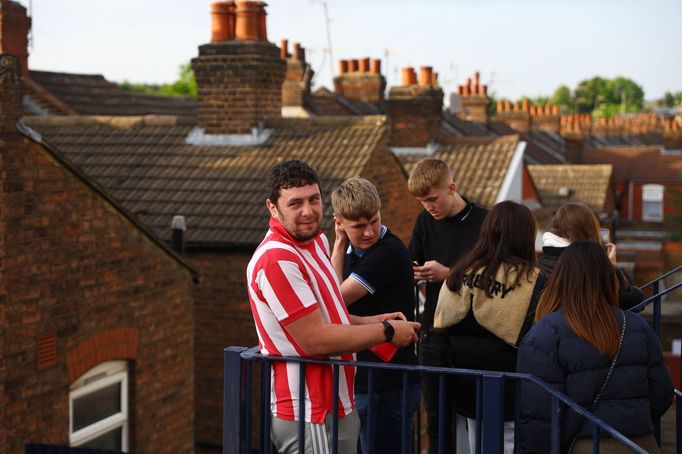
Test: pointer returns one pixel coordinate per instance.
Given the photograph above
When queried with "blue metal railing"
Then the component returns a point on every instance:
(238, 395)
(238, 430)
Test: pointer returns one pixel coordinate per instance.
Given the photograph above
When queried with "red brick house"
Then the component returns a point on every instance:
(95, 314)
(210, 168)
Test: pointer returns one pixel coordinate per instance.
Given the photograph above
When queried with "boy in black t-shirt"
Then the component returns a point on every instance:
(444, 232)
(375, 272)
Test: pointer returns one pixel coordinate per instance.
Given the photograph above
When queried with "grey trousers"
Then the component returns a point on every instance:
(318, 437)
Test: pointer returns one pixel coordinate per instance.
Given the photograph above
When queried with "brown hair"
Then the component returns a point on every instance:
(429, 173)
(356, 198)
(575, 221)
(584, 287)
(507, 239)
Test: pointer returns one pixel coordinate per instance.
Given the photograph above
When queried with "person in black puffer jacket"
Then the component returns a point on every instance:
(572, 345)
(572, 222)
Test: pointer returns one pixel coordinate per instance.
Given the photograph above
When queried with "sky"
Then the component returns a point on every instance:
(520, 47)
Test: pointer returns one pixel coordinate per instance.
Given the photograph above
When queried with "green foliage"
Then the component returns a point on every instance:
(563, 98)
(601, 97)
(186, 85)
(670, 99)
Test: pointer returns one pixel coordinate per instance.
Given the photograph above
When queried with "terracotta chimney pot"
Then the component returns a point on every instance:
(300, 54)
(232, 19)
(500, 106)
(296, 51)
(460, 90)
(477, 79)
(426, 76)
(474, 89)
(408, 76)
(563, 120)
(247, 26)
(262, 23)
(555, 110)
(284, 49)
(354, 65)
(467, 84)
(507, 105)
(376, 66)
(220, 23)
(484, 90)
(467, 90)
(364, 65)
(343, 66)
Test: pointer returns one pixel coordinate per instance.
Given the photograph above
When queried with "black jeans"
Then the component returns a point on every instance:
(434, 350)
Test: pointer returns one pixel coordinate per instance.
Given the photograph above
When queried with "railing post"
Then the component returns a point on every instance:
(493, 413)
(657, 310)
(234, 371)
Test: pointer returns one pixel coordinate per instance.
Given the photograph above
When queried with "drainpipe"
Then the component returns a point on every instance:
(178, 228)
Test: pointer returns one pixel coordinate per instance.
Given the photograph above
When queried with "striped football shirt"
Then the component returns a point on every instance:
(286, 281)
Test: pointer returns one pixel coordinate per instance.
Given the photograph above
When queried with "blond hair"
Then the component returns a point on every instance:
(356, 198)
(429, 173)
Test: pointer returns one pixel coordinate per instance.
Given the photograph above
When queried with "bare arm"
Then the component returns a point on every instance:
(351, 290)
(316, 337)
(341, 242)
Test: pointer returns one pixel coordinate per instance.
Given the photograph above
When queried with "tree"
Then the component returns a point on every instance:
(185, 85)
(563, 97)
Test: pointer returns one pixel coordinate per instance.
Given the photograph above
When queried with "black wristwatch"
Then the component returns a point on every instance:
(388, 331)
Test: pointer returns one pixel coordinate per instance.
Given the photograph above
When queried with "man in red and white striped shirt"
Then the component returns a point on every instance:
(299, 311)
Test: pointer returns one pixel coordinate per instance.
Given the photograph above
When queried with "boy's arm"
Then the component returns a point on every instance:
(351, 290)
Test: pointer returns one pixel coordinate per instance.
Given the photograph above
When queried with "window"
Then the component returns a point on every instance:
(98, 408)
(652, 202)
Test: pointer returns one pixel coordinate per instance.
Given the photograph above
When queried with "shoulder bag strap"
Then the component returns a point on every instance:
(606, 381)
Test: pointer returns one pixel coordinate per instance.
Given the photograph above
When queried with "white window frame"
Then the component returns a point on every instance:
(101, 376)
(652, 193)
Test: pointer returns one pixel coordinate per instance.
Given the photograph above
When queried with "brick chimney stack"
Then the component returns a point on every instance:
(672, 136)
(546, 117)
(299, 75)
(239, 75)
(474, 100)
(14, 27)
(570, 130)
(361, 80)
(11, 107)
(415, 109)
(517, 117)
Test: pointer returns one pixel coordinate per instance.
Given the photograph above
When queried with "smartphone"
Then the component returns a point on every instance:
(605, 235)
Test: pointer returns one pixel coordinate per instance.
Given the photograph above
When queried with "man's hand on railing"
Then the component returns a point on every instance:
(405, 333)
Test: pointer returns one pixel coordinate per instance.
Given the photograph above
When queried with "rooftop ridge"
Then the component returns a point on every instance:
(117, 121)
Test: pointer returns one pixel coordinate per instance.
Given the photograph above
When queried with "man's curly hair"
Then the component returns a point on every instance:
(290, 174)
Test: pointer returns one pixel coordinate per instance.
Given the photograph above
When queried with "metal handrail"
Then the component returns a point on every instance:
(492, 381)
(661, 277)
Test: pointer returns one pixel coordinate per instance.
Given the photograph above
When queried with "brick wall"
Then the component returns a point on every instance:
(415, 114)
(74, 269)
(239, 84)
(14, 28)
(223, 318)
(361, 87)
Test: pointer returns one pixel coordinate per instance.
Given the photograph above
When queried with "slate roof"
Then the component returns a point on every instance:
(478, 168)
(326, 103)
(92, 94)
(645, 163)
(145, 164)
(590, 184)
(652, 138)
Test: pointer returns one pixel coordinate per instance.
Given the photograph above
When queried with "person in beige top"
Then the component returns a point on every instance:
(484, 306)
